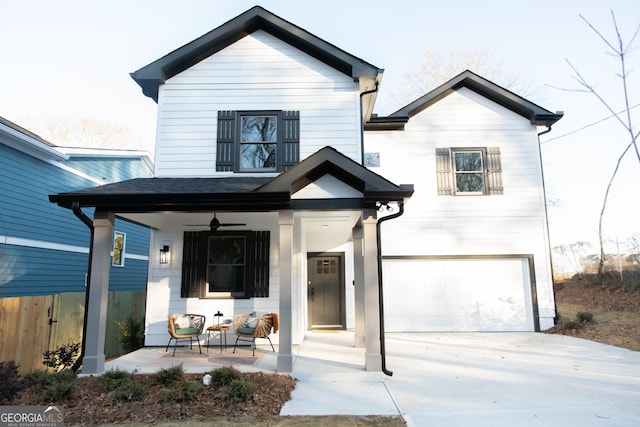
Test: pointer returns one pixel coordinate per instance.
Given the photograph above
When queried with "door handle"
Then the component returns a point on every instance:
(312, 293)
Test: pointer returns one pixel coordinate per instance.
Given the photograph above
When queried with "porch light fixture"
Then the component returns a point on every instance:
(164, 254)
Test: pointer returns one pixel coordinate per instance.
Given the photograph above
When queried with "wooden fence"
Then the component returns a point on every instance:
(29, 326)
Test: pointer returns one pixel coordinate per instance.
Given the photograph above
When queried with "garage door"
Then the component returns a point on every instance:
(438, 295)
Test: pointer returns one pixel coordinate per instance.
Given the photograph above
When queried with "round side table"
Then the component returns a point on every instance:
(222, 329)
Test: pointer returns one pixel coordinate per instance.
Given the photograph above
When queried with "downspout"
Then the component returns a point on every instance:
(375, 89)
(380, 287)
(87, 221)
(546, 213)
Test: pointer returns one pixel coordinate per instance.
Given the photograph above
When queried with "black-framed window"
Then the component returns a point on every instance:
(469, 171)
(257, 141)
(225, 264)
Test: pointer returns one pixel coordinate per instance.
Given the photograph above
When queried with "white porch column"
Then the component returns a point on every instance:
(93, 361)
(373, 359)
(285, 358)
(358, 275)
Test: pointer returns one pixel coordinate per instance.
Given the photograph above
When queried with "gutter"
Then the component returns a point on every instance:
(75, 206)
(380, 287)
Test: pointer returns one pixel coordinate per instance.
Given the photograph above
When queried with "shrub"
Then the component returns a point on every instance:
(224, 376)
(10, 383)
(55, 386)
(187, 391)
(122, 385)
(62, 357)
(131, 335)
(170, 375)
(60, 388)
(239, 390)
(571, 324)
(584, 317)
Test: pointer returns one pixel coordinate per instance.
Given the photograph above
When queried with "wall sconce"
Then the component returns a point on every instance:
(165, 254)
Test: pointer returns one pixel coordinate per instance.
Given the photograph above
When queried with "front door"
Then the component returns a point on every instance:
(325, 291)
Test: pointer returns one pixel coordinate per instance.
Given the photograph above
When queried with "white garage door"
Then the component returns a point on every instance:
(427, 295)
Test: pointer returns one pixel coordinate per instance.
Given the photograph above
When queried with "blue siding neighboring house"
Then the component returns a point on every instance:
(44, 248)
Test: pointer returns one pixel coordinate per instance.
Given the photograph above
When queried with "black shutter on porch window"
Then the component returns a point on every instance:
(225, 152)
(290, 139)
(261, 264)
(193, 272)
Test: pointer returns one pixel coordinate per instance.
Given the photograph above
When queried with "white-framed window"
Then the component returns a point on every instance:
(119, 246)
(469, 171)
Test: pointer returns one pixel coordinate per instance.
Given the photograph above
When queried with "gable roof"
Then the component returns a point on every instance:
(330, 161)
(236, 193)
(519, 105)
(154, 74)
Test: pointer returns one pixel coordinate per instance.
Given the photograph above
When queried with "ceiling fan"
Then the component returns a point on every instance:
(215, 224)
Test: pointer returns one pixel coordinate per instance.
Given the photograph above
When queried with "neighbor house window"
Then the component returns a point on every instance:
(119, 244)
(225, 264)
(257, 141)
(469, 171)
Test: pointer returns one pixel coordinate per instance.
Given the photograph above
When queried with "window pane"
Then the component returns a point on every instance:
(259, 129)
(226, 278)
(258, 156)
(226, 264)
(226, 250)
(469, 183)
(469, 161)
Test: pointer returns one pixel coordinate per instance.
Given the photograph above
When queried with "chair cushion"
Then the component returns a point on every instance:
(183, 322)
(246, 331)
(187, 331)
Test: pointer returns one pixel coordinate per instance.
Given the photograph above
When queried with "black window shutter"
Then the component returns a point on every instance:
(494, 171)
(225, 152)
(443, 170)
(290, 139)
(193, 276)
(260, 264)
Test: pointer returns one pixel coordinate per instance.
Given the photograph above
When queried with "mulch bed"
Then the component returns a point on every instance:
(92, 405)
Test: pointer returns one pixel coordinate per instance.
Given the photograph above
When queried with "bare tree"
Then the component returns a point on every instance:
(619, 50)
(439, 65)
(88, 132)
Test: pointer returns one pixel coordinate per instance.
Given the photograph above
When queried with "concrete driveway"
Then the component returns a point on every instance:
(472, 379)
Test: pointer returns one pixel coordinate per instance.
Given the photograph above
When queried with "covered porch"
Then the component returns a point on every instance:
(291, 207)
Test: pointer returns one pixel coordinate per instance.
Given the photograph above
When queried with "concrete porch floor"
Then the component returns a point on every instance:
(453, 379)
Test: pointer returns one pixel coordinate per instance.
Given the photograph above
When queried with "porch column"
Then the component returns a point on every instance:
(285, 358)
(373, 359)
(93, 361)
(358, 275)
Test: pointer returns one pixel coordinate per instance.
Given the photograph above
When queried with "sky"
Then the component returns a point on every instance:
(71, 59)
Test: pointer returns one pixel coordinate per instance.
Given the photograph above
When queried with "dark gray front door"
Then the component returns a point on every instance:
(325, 292)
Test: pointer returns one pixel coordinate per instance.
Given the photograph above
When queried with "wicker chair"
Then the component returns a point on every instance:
(185, 326)
(248, 328)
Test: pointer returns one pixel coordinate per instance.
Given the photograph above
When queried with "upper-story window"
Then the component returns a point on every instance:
(257, 141)
(469, 171)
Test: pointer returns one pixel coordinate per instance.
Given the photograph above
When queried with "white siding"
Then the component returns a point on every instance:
(513, 223)
(258, 72)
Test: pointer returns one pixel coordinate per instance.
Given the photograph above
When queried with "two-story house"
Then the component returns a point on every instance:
(276, 189)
